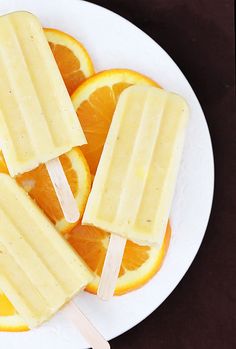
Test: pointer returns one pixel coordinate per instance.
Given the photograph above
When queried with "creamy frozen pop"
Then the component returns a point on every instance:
(37, 119)
(39, 271)
(135, 181)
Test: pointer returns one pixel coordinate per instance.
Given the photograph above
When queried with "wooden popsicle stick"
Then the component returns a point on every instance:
(111, 267)
(63, 191)
(88, 331)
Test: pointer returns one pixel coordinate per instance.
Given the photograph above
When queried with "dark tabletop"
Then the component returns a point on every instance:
(199, 36)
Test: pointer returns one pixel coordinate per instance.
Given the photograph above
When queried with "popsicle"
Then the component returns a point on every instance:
(134, 184)
(37, 119)
(39, 271)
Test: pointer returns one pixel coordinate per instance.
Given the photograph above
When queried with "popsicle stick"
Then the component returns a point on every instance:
(64, 194)
(111, 267)
(88, 331)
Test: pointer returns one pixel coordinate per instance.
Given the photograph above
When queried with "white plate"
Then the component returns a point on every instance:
(114, 42)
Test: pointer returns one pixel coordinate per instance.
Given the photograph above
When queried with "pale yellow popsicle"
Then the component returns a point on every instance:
(39, 271)
(135, 180)
(37, 119)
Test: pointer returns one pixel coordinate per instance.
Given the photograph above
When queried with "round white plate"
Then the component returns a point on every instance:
(114, 42)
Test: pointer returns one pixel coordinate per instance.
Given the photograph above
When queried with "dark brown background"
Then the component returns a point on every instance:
(199, 36)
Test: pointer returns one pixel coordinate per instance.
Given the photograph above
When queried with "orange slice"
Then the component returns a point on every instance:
(38, 184)
(9, 319)
(72, 58)
(95, 102)
(139, 265)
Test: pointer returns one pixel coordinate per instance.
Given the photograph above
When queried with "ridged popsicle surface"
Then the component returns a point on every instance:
(135, 180)
(39, 271)
(37, 119)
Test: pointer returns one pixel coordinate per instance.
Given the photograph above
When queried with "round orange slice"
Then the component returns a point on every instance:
(71, 56)
(38, 184)
(139, 265)
(95, 101)
(10, 321)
